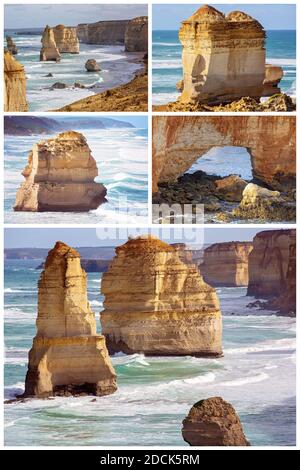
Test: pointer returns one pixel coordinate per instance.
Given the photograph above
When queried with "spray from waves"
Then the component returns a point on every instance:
(280, 344)
(245, 380)
(281, 61)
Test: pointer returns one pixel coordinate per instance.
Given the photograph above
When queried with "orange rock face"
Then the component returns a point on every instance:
(14, 85)
(179, 141)
(272, 268)
(136, 35)
(158, 305)
(213, 422)
(226, 264)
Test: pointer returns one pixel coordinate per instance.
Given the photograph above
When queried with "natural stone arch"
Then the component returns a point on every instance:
(179, 141)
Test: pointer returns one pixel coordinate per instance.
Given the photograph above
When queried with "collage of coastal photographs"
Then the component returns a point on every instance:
(149, 224)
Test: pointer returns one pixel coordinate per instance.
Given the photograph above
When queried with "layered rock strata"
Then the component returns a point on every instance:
(213, 422)
(223, 57)
(60, 177)
(102, 32)
(179, 141)
(136, 35)
(157, 305)
(11, 47)
(66, 39)
(67, 355)
(272, 269)
(14, 85)
(49, 50)
(226, 264)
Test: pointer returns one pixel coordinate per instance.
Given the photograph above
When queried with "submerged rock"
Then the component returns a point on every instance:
(14, 85)
(11, 47)
(91, 65)
(213, 422)
(59, 86)
(231, 188)
(60, 177)
(158, 305)
(67, 356)
(49, 50)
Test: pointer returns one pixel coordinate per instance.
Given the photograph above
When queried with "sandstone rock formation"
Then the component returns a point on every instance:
(49, 50)
(179, 141)
(231, 188)
(264, 204)
(11, 47)
(102, 32)
(157, 305)
(226, 264)
(66, 39)
(223, 57)
(272, 271)
(60, 177)
(91, 65)
(136, 35)
(67, 355)
(14, 85)
(273, 75)
(213, 422)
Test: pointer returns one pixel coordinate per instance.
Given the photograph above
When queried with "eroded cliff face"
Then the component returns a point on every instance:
(14, 85)
(67, 355)
(226, 264)
(49, 50)
(66, 39)
(103, 32)
(158, 305)
(136, 35)
(213, 422)
(272, 268)
(223, 57)
(178, 142)
(60, 176)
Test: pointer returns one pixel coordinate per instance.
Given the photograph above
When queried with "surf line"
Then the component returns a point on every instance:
(111, 460)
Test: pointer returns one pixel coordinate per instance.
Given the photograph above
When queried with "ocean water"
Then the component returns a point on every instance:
(121, 156)
(167, 69)
(117, 68)
(256, 374)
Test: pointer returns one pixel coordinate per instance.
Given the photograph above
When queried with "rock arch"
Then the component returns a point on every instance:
(179, 141)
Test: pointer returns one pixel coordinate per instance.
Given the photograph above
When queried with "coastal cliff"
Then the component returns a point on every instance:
(14, 85)
(223, 57)
(60, 177)
(67, 356)
(178, 142)
(272, 269)
(102, 32)
(157, 305)
(136, 35)
(226, 264)
(66, 39)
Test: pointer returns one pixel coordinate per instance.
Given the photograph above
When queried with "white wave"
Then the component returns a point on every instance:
(167, 44)
(9, 290)
(13, 390)
(282, 61)
(281, 344)
(245, 380)
(96, 303)
(163, 98)
(166, 64)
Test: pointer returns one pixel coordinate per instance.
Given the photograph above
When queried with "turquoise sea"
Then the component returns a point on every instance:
(167, 69)
(256, 374)
(121, 156)
(117, 68)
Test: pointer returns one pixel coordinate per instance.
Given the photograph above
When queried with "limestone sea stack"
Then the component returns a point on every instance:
(272, 268)
(49, 50)
(213, 422)
(273, 75)
(60, 177)
(223, 57)
(136, 35)
(11, 47)
(179, 141)
(157, 305)
(66, 39)
(14, 85)
(226, 264)
(67, 356)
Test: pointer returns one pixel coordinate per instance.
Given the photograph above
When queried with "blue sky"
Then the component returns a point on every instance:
(271, 16)
(46, 237)
(37, 16)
